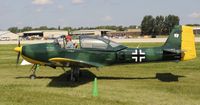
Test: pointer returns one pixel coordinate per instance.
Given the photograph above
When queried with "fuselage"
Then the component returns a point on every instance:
(41, 53)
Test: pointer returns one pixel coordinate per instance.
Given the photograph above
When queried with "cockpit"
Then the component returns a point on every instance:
(92, 43)
(61, 41)
(97, 42)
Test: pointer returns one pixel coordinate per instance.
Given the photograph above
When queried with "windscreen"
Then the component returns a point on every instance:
(61, 41)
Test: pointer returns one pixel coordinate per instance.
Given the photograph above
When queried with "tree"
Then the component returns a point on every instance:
(67, 28)
(27, 28)
(158, 25)
(192, 24)
(43, 28)
(118, 28)
(14, 29)
(170, 22)
(147, 25)
(132, 27)
(52, 28)
(58, 27)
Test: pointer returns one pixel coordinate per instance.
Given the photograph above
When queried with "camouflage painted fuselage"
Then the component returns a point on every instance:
(44, 52)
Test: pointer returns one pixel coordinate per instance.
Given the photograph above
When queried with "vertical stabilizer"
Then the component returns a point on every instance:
(174, 39)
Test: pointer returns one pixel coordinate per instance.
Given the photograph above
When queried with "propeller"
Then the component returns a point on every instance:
(18, 49)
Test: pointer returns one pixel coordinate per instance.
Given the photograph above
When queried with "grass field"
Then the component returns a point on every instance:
(132, 84)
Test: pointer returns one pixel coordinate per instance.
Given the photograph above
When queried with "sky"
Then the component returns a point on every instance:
(91, 13)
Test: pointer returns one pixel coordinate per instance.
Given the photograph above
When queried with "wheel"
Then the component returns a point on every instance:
(75, 73)
(32, 77)
(80, 73)
(76, 77)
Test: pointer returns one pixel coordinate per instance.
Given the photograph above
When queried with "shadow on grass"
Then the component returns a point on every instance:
(64, 79)
(86, 76)
(164, 77)
(168, 77)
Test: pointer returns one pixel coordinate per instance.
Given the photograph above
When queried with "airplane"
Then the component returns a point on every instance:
(95, 51)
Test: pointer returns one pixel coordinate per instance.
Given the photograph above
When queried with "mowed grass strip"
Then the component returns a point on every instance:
(131, 84)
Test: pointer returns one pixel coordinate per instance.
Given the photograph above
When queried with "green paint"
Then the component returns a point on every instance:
(37, 66)
(95, 88)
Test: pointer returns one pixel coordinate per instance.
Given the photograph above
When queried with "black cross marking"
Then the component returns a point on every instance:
(138, 55)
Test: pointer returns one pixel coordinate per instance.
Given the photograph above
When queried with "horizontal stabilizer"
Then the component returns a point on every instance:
(173, 51)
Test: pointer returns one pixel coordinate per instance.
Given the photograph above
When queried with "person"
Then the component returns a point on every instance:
(75, 45)
(69, 42)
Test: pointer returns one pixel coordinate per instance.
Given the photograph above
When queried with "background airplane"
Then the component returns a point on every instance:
(96, 51)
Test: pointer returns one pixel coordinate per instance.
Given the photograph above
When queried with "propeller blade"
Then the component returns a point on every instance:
(19, 44)
(18, 55)
(17, 62)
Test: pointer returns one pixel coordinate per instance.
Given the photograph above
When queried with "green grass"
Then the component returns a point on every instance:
(131, 84)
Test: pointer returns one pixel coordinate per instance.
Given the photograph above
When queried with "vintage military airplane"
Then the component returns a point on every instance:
(96, 51)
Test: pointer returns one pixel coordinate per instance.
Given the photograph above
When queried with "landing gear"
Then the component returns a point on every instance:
(32, 77)
(33, 69)
(75, 74)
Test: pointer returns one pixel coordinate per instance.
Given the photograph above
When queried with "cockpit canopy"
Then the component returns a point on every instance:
(92, 43)
(96, 42)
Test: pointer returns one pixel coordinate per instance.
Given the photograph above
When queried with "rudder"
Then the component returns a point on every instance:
(188, 43)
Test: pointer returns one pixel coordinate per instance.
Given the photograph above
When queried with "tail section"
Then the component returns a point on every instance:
(181, 40)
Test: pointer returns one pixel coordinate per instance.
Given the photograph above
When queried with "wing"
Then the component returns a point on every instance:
(72, 62)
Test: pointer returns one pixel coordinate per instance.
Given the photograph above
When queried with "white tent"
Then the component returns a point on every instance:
(7, 35)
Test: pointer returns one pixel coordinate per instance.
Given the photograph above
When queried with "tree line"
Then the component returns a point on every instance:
(111, 27)
(158, 25)
(193, 25)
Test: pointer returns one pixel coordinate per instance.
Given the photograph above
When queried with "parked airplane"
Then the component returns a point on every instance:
(96, 51)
